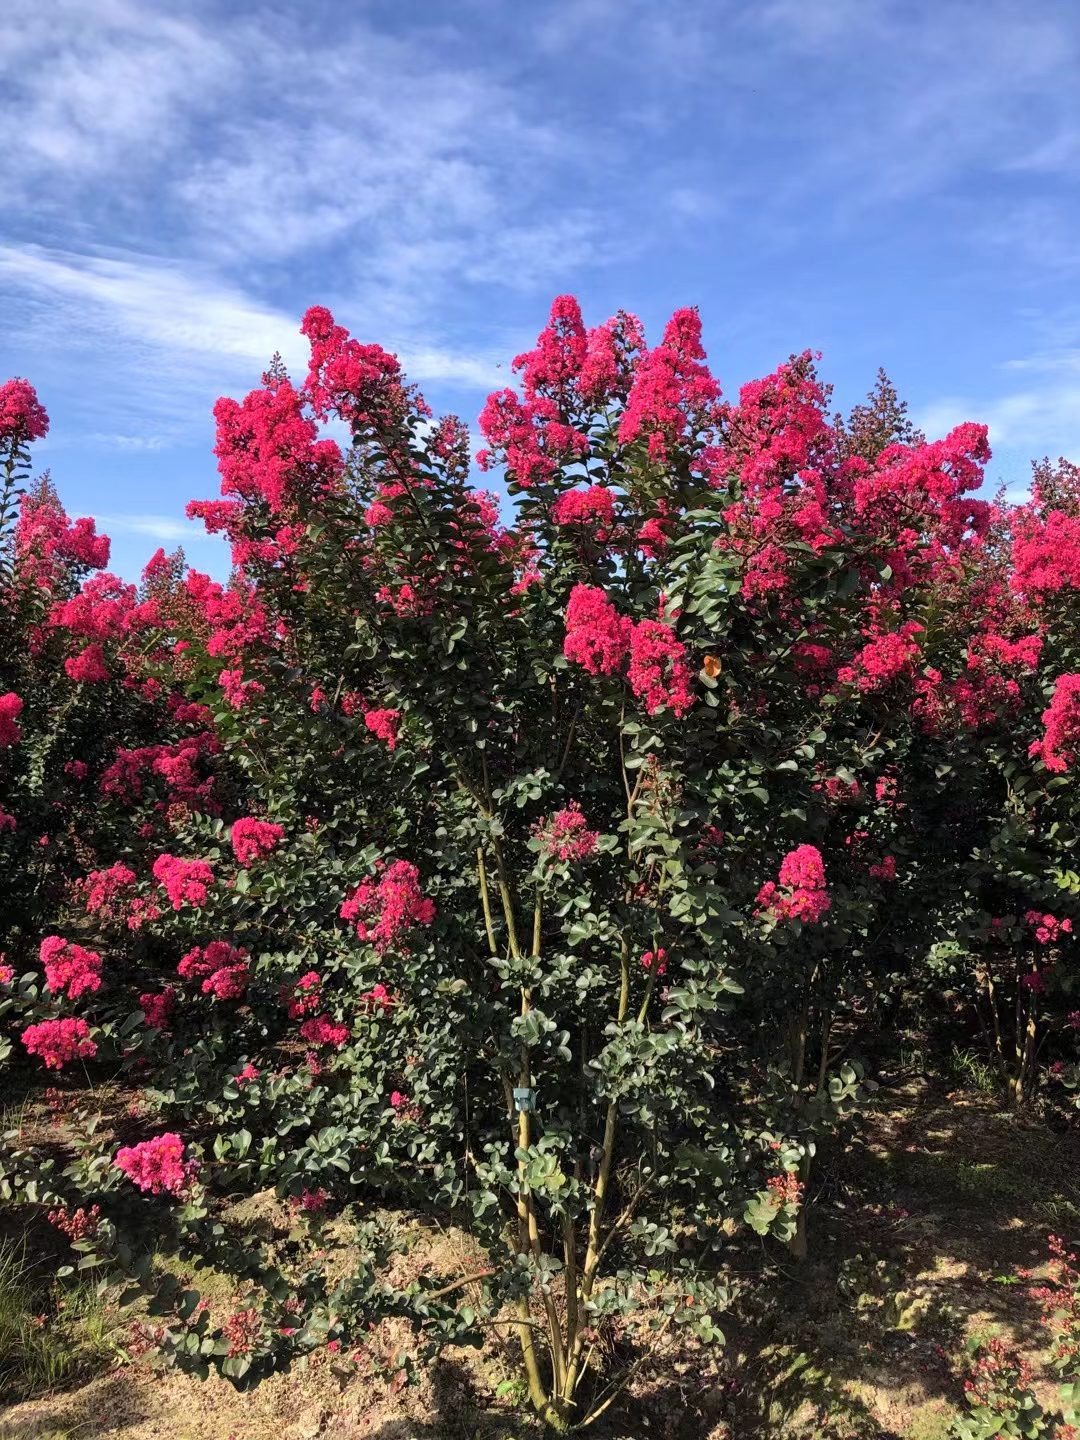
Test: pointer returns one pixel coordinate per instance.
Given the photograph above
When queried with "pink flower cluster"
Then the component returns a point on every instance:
(385, 908)
(158, 1008)
(377, 999)
(1046, 555)
(361, 383)
(321, 1030)
(566, 835)
(597, 636)
(837, 790)
(599, 639)
(1061, 738)
(189, 712)
(184, 880)
(673, 394)
(88, 667)
(574, 369)
(884, 659)
(553, 367)
(158, 1165)
(269, 450)
(530, 436)
(612, 354)
(237, 620)
(238, 691)
(405, 1108)
(384, 724)
(228, 983)
(254, 839)
(69, 967)
(22, 415)
(177, 765)
(46, 543)
(657, 962)
(312, 1201)
(801, 893)
(104, 891)
(917, 489)
(593, 507)
(659, 674)
(303, 998)
(105, 609)
(776, 440)
(534, 436)
(1048, 928)
(221, 967)
(59, 1041)
(142, 912)
(10, 710)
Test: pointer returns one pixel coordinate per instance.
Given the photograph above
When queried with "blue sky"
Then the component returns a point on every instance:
(890, 183)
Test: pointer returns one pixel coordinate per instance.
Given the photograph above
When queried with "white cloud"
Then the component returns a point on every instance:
(1034, 420)
(185, 315)
(97, 84)
(166, 528)
(131, 442)
(256, 138)
(181, 181)
(179, 184)
(154, 303)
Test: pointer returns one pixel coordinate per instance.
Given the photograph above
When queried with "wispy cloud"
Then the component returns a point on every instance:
(94, 87)
(184, 315)
(1035, 419)
(179, 187)
(166, 528)
(1041, 416)
(131, 442)
(149, 302)
(180, 182)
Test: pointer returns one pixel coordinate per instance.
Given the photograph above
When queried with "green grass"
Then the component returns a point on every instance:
(972, 1068)
(931, 1421)
(41, 1351)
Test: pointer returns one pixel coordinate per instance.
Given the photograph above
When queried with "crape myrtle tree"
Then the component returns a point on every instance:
(542, 873)
(74, 686)
(1000, 711)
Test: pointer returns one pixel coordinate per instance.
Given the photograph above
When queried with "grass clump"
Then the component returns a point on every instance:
(46, 1340)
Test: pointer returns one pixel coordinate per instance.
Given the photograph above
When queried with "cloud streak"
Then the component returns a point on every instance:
(166, 528)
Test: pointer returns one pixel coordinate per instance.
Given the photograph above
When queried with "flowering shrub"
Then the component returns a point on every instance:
(998, 1392)
(599, 825)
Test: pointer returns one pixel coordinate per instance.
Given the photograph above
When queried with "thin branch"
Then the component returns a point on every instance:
(455, 1285)
(621, 1384)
